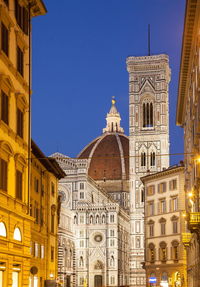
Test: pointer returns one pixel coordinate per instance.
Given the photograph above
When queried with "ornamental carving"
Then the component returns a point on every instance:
(98, 265)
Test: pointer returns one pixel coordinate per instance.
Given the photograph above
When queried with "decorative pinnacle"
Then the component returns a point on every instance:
(113, 100)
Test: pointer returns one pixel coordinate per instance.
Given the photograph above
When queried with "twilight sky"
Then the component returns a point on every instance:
(79, 63)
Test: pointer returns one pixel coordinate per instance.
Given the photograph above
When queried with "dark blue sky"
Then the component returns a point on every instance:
(79, 63)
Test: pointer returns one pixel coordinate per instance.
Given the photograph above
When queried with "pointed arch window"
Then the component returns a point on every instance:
(75, 219)
(17, 234)
(153, 159)
(143, 159)
(147, 114)
(97, 219)
(81, 261)
(103, 218)
(112, 261)
(91, 219)
(3, 229)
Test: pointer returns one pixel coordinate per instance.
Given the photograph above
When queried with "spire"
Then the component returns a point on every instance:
(113, 119)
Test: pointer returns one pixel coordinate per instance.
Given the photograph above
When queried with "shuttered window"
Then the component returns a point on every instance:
(3, 174)
(21, 15)
(4, 107)
(151, 190)
(173, 184)
(162, 187)
(20, 123)
(19, 177)
(4, 39)
(20, 61)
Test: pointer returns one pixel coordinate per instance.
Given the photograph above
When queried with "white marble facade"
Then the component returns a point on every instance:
(94, 228)
(149, 78)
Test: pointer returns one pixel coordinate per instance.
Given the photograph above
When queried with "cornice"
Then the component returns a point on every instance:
(190, 33)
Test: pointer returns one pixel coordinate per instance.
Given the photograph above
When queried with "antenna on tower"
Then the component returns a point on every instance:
(149, 53)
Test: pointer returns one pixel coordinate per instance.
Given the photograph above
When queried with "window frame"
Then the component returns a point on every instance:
(20, 60)
(20, 123)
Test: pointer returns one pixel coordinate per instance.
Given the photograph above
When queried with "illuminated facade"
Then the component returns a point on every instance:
(149, 77)
(93, 231)
(44, 208)
(165, 258)
(94, 222)
(15, 221)
(188, 116)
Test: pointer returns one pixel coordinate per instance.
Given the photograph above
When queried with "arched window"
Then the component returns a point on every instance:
(142, 195)
(175, 250)
(143, 159)
(137, 242)
(103, 218)
(3, 229)
(17, 234)
(163, 251)
(81, 261)
(151, 252)
(147, 114)
(153, 159)
(112, 261)
(91, 219)
(97, 219)
(66, 257)
(75, 219)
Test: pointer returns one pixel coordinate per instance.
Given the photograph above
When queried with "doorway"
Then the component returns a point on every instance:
(98, 281)
(67, 281)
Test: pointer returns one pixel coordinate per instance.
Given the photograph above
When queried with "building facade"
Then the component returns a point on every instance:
(15, 221)
(188, 116)
(44, 208)
(93, 231)
(149, 77)
(165, 226)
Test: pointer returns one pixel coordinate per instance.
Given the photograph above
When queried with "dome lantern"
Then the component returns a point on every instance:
(113, 120)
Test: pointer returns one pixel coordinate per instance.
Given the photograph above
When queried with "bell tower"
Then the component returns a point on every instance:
(149, 78)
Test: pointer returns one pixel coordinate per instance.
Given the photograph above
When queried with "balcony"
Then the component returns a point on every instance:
(186, 238)
(194, 220)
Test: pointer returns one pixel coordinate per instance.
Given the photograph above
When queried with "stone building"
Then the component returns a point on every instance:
(188, 116)
(165, 258)
(44, 208)
(94, 224)
(149, 77)
(15, 140)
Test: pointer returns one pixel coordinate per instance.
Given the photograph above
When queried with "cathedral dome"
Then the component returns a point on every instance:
(109, 153)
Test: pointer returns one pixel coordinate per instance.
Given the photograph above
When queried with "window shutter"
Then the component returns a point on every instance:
(158, 188)
(170, 185)
(159, 207)
(171, 251)
(160, 254)
(179, 251)
(170, 205)
(18, 185)
(25, 21)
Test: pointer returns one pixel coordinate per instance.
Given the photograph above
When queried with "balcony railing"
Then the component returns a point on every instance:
(186, 237)
(194, 218)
